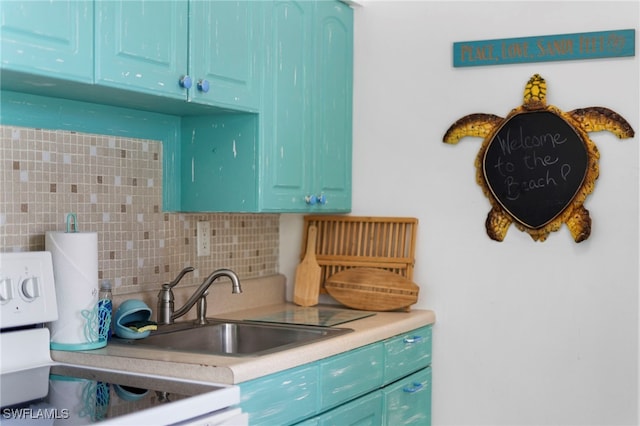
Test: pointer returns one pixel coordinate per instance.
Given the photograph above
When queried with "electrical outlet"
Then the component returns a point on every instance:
(203, 238)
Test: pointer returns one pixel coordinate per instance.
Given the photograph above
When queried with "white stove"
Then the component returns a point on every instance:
(34, 389)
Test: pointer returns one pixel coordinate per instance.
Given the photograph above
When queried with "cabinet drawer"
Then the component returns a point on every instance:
(408, 401)
(349, 375)
(407, 353)
(364, 411)
(281, 398)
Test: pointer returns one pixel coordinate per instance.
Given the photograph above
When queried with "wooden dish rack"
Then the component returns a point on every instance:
(345, 242)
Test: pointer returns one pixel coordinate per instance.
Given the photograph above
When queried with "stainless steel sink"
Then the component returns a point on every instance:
(233, 338)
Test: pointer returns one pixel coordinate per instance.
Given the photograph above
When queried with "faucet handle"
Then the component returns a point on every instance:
(165, 298)
(178, 278)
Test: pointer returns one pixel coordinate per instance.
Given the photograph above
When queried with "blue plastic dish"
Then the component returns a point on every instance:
(130, 311)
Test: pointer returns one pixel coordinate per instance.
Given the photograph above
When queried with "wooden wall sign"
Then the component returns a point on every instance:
(560, 47)
(538, 165)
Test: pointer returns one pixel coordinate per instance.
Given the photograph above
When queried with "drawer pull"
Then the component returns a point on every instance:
(415, 388)
(413, 339)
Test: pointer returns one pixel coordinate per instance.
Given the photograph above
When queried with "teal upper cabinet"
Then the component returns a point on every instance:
(263, 89)
(53, 38)
(142, 45)
(287, 134)
(332, 104)
(224, 52)
(218, 163)
(201, 51)
(307, 109)
(299, 158)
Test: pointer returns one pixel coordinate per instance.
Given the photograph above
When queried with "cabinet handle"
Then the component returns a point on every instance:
(413, 339)
(414, 388)
(203, 85)
(185, 81)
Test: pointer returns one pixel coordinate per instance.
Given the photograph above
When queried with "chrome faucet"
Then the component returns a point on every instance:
(166, 314)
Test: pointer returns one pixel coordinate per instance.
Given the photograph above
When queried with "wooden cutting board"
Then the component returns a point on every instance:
(372, 289)
(308, 274)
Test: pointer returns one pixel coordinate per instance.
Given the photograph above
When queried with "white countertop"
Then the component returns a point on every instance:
(234, 370)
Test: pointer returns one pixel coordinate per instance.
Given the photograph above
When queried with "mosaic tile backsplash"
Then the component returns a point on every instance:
(114, 185)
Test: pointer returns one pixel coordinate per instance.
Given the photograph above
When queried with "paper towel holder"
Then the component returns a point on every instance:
(72, 218)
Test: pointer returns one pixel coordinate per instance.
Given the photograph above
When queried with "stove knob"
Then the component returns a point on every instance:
(6, 293)
(30, 289)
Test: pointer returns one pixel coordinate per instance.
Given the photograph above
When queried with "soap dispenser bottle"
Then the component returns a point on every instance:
(105, 310)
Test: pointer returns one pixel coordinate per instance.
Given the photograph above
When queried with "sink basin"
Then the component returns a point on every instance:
(233, 338)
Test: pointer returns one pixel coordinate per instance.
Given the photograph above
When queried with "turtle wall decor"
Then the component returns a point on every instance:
(538, 165)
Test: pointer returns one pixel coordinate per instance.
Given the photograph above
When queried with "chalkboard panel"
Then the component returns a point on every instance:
(534, 166)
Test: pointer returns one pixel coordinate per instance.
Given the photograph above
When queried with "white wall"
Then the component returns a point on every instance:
(528, 333)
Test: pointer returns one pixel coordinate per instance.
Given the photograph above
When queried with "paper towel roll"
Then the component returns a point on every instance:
(75, 271)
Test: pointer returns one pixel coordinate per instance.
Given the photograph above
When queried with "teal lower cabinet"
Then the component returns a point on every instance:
(408, 401)
(385, 383)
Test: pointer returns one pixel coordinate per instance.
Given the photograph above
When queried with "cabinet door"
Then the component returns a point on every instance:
(53, 38)
(332, 104)
(287, 161)
(408, 401)
(223, 52)
(142, 45)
